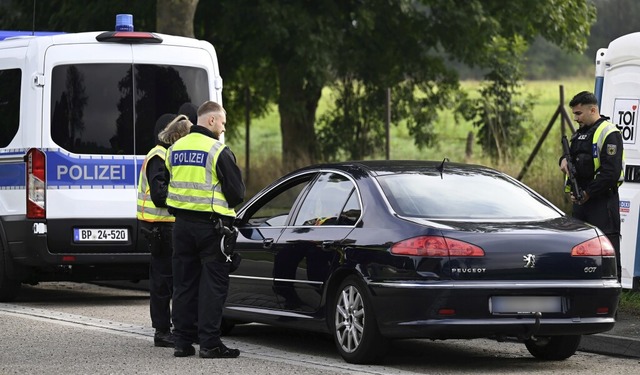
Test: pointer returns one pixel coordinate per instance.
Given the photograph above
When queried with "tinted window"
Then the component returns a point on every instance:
(9, 104)
(325, 203)
(94, 106)
(463, 196)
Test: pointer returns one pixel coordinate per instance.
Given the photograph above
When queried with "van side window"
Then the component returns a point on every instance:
(94, 106)
(9, 104)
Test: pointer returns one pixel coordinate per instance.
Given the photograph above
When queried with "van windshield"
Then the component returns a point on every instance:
(100, 109)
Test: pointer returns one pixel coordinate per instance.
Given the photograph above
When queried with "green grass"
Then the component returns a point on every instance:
(630, 302)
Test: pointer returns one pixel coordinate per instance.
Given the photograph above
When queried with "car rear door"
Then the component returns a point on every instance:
(308, 248)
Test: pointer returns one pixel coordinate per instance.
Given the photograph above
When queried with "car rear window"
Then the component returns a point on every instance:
(100, 109)
(463, 196)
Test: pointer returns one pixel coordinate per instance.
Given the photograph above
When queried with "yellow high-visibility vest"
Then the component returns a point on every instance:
(599, 136)
(601, 133)
(194, 183)
(147, 211)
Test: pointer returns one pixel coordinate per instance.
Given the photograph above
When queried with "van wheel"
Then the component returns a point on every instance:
(553, 348)
(8, 287)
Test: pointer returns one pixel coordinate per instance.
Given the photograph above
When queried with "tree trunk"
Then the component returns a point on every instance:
(175, 17)
(297, 104)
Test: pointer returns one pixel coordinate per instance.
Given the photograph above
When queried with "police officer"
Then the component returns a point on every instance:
(156, 224)
(205, 186)
(597, 153)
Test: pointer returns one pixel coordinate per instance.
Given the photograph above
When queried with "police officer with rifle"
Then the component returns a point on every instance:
(595, 168)
(205, 185)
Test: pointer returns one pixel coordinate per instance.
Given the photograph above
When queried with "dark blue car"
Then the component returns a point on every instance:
(373, 251)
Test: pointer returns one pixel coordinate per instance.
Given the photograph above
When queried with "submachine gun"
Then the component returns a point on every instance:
(571, 176)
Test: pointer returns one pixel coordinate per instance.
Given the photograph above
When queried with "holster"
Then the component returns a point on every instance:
(154, 240)
(229, 235)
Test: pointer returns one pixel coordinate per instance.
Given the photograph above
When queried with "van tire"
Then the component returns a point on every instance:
(9, 288)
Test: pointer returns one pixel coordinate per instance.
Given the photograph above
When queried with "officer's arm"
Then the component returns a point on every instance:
(230, 177)
(610, 165)
(158, 186)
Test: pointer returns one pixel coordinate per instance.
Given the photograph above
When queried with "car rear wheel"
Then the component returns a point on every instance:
(9, 288)
(554, 348)
(355, 330)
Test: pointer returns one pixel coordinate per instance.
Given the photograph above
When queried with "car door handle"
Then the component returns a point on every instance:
(266, 243)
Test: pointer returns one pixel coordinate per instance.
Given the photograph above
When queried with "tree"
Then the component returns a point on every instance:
(288, 51)
(175, 17)
(365, 46)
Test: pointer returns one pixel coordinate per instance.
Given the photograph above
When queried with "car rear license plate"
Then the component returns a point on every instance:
(100, 235)
(525, 304)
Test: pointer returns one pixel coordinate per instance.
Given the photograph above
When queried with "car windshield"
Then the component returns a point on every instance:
(463, 196)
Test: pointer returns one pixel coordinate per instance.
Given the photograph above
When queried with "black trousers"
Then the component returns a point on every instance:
(200, 283)
(160, 274)
(603, 212)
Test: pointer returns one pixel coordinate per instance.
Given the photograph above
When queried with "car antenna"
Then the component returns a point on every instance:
(441, 167)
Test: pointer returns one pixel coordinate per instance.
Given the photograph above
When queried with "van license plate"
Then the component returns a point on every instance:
(101, 235)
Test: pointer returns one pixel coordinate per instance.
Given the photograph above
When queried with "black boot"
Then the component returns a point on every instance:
(164, 339)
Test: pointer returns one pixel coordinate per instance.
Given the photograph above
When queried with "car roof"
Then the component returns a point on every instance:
(383, 167)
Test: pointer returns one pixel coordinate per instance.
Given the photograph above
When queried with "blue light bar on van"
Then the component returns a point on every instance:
(5, 34)
(124, 33)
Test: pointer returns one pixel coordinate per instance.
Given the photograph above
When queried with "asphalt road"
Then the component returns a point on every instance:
(67, 328)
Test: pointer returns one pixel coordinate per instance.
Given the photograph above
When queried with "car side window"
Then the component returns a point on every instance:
(327, 202)
(274, 210)
(352, 211)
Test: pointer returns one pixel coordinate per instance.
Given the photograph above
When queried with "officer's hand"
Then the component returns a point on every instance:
(563, 166)
(585, 198)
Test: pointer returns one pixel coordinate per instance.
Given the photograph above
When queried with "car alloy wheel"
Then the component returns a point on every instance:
(355, 328)
(350, 317)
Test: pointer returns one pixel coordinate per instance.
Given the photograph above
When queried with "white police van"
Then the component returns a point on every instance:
(77, 113)
(618, 91)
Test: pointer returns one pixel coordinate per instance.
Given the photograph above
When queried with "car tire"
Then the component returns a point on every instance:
(553, 348)
(355, 329)
(9, 288)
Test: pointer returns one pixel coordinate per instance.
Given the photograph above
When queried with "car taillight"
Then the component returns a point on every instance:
(35, 184)
(436, 246)
(597, 246)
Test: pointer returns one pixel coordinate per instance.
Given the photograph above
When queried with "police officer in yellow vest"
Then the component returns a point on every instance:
(598, 155)
(156, 224)
(205, 185)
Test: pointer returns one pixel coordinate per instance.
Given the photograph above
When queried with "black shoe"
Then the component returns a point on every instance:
(164, 339)
(219, 352)
(184, 352)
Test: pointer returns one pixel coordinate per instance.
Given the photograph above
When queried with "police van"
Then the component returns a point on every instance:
(77, 113)
(618, 91)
